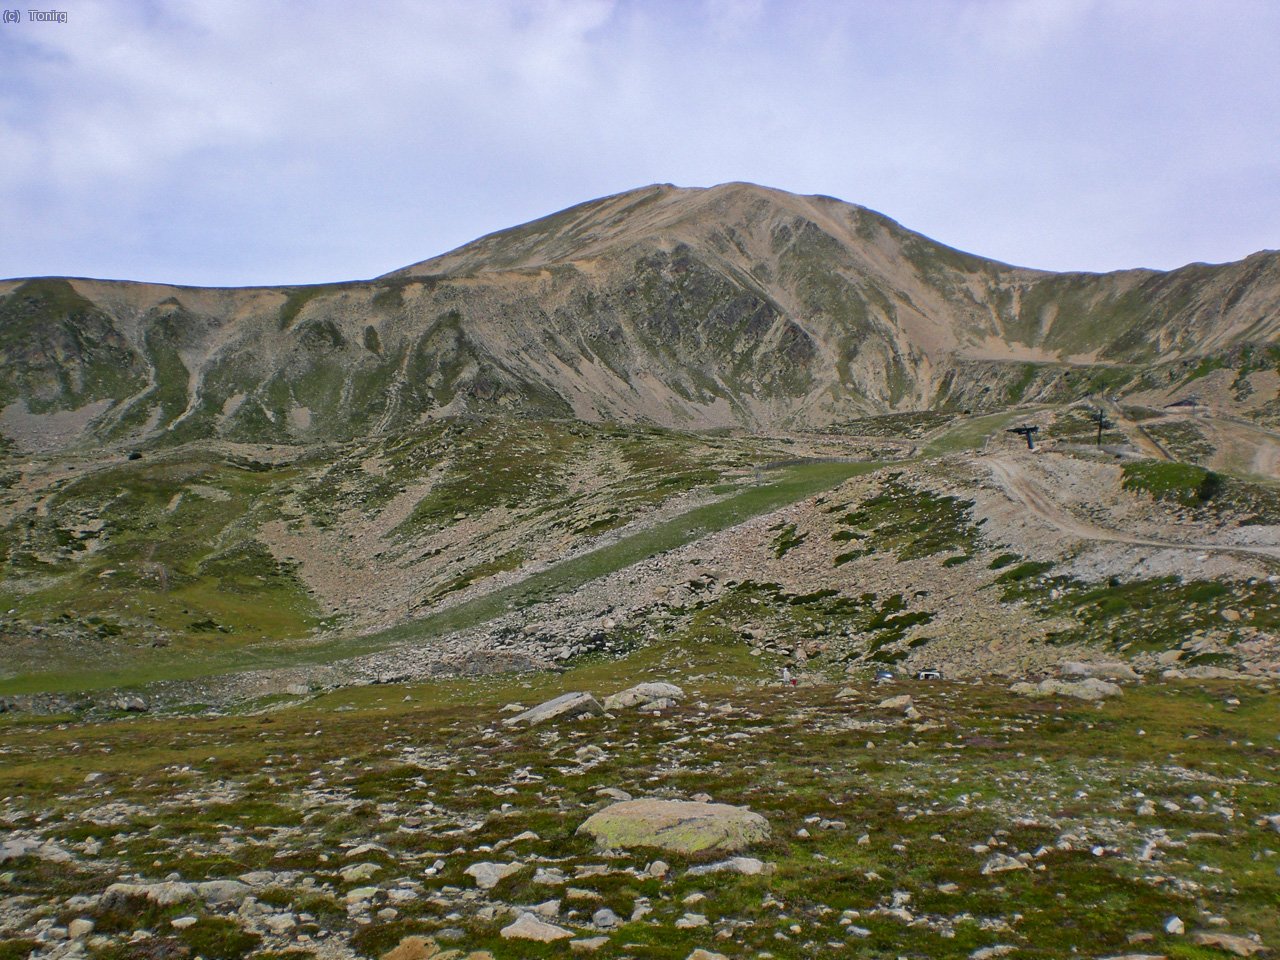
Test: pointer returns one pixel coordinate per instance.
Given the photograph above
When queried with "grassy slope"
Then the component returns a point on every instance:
(1058, 782)
(783, 486)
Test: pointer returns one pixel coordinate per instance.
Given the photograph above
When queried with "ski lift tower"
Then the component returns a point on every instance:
(1100, 418)
(1027, 433)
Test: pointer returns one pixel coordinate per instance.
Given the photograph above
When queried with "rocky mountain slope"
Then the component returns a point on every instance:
(734, 306)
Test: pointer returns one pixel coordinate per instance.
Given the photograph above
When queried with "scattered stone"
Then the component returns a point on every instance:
(215, 892)
(1174, 925)
(489, 875)
(161, 894)
(415, 948)
(606, 919)
(691, 920)
(529, 927)
(682, 826)
(587, 944)
(79, 928)
(40, 850)
(1001, 863)
(701, 954)
(181, 923)
(902, 703)
(613, 793)
(1240, 946)
(564, 707)
(281, 923)
(747, 866)
(548, 909)
(358, 872)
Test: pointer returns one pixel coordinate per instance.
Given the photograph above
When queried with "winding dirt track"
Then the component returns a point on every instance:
(1019, 486)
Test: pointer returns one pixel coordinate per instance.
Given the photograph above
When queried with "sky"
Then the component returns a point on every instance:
(241, 142)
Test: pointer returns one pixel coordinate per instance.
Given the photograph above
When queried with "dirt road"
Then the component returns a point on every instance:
(1019, 485)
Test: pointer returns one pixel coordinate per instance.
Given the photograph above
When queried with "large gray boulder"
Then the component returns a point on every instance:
(1090, 689)
(643, 694)
(1105, 670)
(681, 826)
(564, 707)
(529, 927)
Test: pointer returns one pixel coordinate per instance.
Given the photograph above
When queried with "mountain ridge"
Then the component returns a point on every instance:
(730, 306)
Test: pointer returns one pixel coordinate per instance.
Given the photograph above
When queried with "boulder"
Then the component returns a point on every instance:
(642, 695)
(564, 707)
(529, 927)
(681, 826)
(1105, 670)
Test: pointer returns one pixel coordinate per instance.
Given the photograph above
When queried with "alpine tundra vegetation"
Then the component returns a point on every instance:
(446, 614)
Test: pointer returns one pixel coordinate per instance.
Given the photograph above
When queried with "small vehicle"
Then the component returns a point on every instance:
(886, 675)
(929, 675)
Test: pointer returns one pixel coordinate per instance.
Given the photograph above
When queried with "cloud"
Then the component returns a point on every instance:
(236, 141)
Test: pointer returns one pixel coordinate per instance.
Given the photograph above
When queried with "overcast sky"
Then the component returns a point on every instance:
(230, 142)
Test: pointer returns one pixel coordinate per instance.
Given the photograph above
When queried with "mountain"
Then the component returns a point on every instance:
(733, 306)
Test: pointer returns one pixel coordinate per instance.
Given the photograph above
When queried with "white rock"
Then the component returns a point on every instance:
(564, 707)
(1001, 863)
(79, 928)
(691, 920)
(549, 909)
(606, 919)
(489, 875)
(747, 866)
(281, 923)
